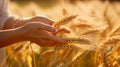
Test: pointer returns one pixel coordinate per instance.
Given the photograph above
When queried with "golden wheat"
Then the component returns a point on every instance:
(64, 12)
(90, 31)
(77, 40)
(63, 21)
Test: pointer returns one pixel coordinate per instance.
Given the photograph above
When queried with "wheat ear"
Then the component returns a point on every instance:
(64, 12)
(103, 49)
(64, 20)
(78, 40)
(81, 26)
(68, 46)
(112, 40)
(90, 31)
(114, 31)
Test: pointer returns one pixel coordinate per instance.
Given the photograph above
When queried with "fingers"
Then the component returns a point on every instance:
(46, 27)
(49, 43)
(44, 42)
(64, 30)
(43, 20)
(54, 38)
(41, 26)
(46, 20)
(61, 30)
(46, 39)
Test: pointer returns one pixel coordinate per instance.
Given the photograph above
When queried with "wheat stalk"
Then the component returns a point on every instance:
(33, 55)
(118, 60)
(107, 19)
(15, 50)
(79, 55)
(90, 31)
(104, 52)
(65, 58)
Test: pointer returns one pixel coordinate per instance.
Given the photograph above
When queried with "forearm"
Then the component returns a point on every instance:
(10, 36)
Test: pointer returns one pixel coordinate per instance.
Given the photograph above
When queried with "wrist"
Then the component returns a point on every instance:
(8, 24)
(11, 23)
(20, 32)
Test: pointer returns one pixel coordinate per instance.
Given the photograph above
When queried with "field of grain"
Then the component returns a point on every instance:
(93, 41)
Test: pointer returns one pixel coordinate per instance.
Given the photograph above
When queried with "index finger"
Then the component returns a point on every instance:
(43, 20)
(43, 27)
(56, 39)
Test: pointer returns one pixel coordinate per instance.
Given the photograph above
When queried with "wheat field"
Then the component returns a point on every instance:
(93, 41)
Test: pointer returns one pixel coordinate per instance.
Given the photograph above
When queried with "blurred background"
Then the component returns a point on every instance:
(29, 8)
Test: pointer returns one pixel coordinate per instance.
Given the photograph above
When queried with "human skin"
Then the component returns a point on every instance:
(37, 29)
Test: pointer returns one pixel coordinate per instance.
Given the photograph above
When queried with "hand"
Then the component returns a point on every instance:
(40, 33)
(37, 30)
(37, 19)
(41, 19)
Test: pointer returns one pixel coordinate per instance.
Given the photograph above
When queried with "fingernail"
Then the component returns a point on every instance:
(63, 41)
(53, 29)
